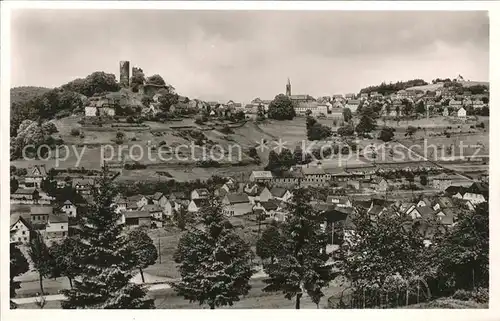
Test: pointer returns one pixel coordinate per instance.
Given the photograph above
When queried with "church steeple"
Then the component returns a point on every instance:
(288, 88)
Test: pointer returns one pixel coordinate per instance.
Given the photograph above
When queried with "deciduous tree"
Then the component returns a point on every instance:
(143, 248)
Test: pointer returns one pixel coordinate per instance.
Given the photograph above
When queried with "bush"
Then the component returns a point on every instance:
(162, 143)
(82, 135)
(130, 120)
(134, 139)
(227, 130)
(479, 295)
(75, 132)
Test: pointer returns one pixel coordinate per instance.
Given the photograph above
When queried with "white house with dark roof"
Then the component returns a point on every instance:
(199, 193)
(20, 229)
(236, 204)
(261, 176)
(197, 204)
(69, 208)
(281, 194)
(35, 175)
(57, 226)
(462, 113)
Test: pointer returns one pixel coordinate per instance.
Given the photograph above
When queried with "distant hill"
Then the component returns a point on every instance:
(23, 94)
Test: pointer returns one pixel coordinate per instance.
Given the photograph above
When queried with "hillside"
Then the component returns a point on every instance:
(434, 87)
(21, 95)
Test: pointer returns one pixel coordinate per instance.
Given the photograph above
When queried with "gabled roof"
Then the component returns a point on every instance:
(353, 102)
(41, 210)
(68, 202)
(376, 210)
(262, 174)
(25, 191)
(478, 188)
(200, 202)
(42, 171)
(18, 217)
(270, 205)
(453, 190)
(202, 191)
(337, 199)
(237, 198)
(278, 191)
(445, 202)
(425, 211)
(426, 201)
(151, 208)
(135, 198)
(157, 196)
(136, 214)
(59, 218)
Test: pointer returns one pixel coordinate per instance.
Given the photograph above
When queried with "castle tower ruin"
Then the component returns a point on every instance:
(125, 73)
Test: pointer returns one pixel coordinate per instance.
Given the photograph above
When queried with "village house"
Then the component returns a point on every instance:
(160, 199)
(261, 177)
(139, 201)
(156, 213)
(314, 176)
(179, 197)
(69, 208)
(455, 191)
(100, 106)
(379, 184)
(25, 196)
(425, 212)
(40, 214)
(281, 194)
(199, 193)
(236, 204)
(268, 208)
(441, 181)
(442, 203)
(454, 103)
(35, 176)
(446, 217)
(57, 226)
(446, 112)
(462, 113)
(258, 193)
(288, 179)
(339, 200)
(476, 193)
(477, 103)
(20, 229)
(137, 218)
(196, 204)
(424, 202)
(352, 104)
(83, 185)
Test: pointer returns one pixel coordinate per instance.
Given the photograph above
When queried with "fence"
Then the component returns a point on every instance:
(390, 295)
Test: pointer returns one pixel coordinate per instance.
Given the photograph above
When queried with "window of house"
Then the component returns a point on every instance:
(25, 239)
(63, 233)
(62, 227)
(19, 239)
(24, 232)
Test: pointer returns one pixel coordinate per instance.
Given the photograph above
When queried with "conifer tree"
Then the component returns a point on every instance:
(300, 266)
(105, 259)
(214, 262)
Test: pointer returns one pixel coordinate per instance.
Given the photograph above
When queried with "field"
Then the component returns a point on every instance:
(231, 148)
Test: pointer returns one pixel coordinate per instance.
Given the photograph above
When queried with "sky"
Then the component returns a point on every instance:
(241, 55)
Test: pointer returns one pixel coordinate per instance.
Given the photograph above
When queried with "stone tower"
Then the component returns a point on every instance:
(288, 88)
(125, 73)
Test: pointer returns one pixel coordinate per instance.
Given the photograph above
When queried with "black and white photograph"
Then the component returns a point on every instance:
(247, 159)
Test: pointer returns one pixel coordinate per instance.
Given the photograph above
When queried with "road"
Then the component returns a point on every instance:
(166, 298)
